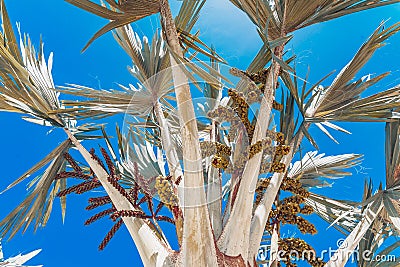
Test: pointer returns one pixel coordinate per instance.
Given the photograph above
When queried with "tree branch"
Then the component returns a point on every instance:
(152, 251)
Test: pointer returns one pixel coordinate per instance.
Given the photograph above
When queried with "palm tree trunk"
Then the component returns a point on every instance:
(264, 208)
(170, 151)
(234, 239)
(214, 191)
(198, 246)
(343, 253)
(152, 251)
(273, 259)
(172, 160)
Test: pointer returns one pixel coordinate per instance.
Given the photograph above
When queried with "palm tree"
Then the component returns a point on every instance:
(173, 163)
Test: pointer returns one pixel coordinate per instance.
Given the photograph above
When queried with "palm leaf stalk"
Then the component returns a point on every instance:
(214, 183)
(236, 233)
(339, 85)
(196, 226)
(152, 251)
(154, 76)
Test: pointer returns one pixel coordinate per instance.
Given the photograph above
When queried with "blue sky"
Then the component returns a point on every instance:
(65, 30)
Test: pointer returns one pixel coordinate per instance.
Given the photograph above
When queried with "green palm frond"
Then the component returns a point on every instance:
(120, 13)
(314, 166)
(37, 206)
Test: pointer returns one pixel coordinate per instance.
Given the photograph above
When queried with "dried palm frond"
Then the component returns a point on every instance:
(343, 96)
(26, 84)
(19, 260)
(189, 14)
(185, 20)
(37, 206)
(120, 13)
(282, 16)
(213, 95)
(149, 159)
(150, 67)
(148, 60)
(260, 60)
(392, 153)
(379, 107)
(342, 215)
(131, 100)
(314, 166)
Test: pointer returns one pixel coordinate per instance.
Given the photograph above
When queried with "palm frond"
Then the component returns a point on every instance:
(344, 214)
(263, 14)
(392, 152)
(314, 166)
(382, 106)
(149, 159)
(150, 67)
(103, 103)
(37, 206)
(189, 14)
(342, 94)
(20, 259)
(148, 60)
(120, 13)
(281, 16)
(26, 82)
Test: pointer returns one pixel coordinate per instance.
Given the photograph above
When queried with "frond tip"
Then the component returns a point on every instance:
(120, 14)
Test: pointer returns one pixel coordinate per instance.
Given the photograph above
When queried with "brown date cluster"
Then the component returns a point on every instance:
(300, 248)
(165, 191)
(241, 107)
(138, 194)
(279, 151)
(220, 151)
(287, 210)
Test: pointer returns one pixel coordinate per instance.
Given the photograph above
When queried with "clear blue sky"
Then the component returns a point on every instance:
(66, 29)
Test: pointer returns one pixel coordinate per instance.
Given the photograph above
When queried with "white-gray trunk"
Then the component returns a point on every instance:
(198, 241)
(151, 250)
(234, 239)
(214, 191)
